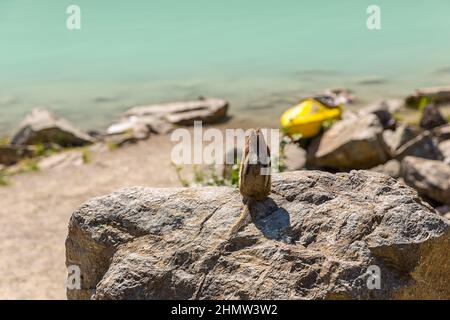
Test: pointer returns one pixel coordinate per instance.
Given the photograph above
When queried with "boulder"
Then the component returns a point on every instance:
(162, 117)
(41, 127)
(353, 143)
(10, 154)
(432, 118)
(318, 236)
(394, 139)
(422, 146)
(436, 94)
(429, 177)
(390, 168)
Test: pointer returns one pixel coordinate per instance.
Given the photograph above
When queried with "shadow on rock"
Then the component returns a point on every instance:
(273, 221)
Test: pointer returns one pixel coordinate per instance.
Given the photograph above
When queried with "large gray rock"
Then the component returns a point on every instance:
(43, 127)
(422, 146)
(353, 143)
(314, 238)
(161, 118)
(429, 177)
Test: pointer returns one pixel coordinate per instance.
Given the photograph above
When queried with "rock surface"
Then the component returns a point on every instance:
(430, 178)
(314, 238)
(353, 143)
(41, 127)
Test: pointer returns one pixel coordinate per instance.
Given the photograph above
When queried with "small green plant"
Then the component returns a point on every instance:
(234, 174)
(398, 117)
(40, 150)
(3, 180)
(29, 165)
(424, 101)
(285, 140)
(327, 124)
(4, 141)
(178, 170)
(112, 146)
(209, 176)
(87, 156)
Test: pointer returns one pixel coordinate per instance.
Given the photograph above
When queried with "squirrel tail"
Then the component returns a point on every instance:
(243, 218)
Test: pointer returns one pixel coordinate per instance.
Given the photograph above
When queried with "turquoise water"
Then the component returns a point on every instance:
(260, 55)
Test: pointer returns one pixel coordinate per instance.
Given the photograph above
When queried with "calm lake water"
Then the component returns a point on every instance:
(261, 55)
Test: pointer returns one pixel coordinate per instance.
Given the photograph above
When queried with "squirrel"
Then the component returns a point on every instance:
(254, 176)
(254, 183)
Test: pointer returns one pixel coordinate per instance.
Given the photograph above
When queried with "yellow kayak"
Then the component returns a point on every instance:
(307, 117)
